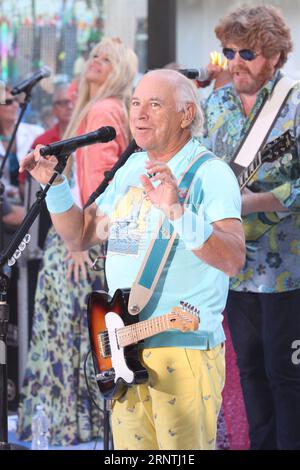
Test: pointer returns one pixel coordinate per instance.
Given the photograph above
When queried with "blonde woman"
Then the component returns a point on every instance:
(55, 372)
(103, 99)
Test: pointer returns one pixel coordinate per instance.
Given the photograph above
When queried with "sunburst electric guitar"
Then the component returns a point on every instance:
(114, 335)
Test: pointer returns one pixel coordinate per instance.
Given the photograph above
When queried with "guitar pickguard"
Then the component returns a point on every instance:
(121, 370)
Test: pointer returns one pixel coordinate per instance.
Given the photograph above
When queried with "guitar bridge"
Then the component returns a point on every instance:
(104, 346)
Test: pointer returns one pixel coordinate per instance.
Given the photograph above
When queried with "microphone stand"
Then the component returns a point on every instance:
(11, 254)
(4, 284)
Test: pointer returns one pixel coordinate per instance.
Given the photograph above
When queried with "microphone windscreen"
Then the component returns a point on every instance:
(106, 133)
(46, 71)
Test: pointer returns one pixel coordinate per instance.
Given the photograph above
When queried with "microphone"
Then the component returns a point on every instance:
(202, 74)
(63, 148)
(30, 82)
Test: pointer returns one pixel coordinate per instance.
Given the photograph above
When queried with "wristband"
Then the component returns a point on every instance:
(192, 229)
(59, 197)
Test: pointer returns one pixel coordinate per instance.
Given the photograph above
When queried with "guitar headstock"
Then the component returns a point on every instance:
(184, 318)
(278, 147)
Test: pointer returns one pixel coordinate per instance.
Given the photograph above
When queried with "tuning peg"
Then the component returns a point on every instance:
(189, 308)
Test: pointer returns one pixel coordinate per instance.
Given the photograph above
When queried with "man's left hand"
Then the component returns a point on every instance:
(165, 195)
(260, 202)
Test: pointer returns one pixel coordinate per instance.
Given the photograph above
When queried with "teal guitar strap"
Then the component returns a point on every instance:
(161, 244)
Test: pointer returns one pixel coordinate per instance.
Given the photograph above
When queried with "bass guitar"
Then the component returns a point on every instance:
(114, 337)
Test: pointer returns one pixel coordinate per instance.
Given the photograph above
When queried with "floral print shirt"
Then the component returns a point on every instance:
(273, 253)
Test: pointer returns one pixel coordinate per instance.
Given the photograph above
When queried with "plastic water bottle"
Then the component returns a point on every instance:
(39, 429)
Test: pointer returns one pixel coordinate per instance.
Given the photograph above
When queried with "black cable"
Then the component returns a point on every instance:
(90, 395)
(87, 382)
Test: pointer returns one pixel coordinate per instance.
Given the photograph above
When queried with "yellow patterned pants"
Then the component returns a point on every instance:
(177, 408)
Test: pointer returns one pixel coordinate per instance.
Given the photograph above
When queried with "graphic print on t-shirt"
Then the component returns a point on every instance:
(129, 223)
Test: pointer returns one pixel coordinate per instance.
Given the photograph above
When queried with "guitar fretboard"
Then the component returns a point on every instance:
(271, 151)
(144, 329)
(248, 172)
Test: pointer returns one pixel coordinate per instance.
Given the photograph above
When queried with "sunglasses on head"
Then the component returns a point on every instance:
(10, 101)
(245, 54)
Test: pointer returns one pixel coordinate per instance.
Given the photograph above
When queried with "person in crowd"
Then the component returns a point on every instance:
(177, 407)
(60, 342)
(26, 133)
(61, 110)
(12, 213)
(47, 117)
(263, 302)
(219, 75)
(79, 63)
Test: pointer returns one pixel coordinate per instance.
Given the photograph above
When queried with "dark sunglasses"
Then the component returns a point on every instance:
(10, 101)
(245, 54)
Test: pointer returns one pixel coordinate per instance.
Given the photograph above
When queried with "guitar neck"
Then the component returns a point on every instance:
(250, 171)
(271, 151)
(145, 329)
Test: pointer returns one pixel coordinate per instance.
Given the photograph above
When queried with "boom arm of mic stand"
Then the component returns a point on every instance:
(31, 215)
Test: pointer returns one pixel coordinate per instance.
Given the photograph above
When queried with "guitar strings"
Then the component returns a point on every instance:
(146, 324)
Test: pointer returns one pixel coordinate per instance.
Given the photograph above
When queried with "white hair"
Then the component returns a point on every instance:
(186, 93)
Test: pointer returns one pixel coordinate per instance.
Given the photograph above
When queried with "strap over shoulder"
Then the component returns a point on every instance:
(264, 120)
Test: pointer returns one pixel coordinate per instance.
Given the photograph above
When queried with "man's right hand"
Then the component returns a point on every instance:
(40, 168)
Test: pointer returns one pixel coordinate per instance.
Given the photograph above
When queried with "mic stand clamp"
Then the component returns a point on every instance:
(13, 251)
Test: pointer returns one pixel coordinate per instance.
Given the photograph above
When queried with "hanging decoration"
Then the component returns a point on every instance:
(55, 41)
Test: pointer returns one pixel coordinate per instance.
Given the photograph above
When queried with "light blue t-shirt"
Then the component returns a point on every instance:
(185, 277)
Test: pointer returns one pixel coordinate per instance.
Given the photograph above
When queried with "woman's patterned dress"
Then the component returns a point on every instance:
(55, 367)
